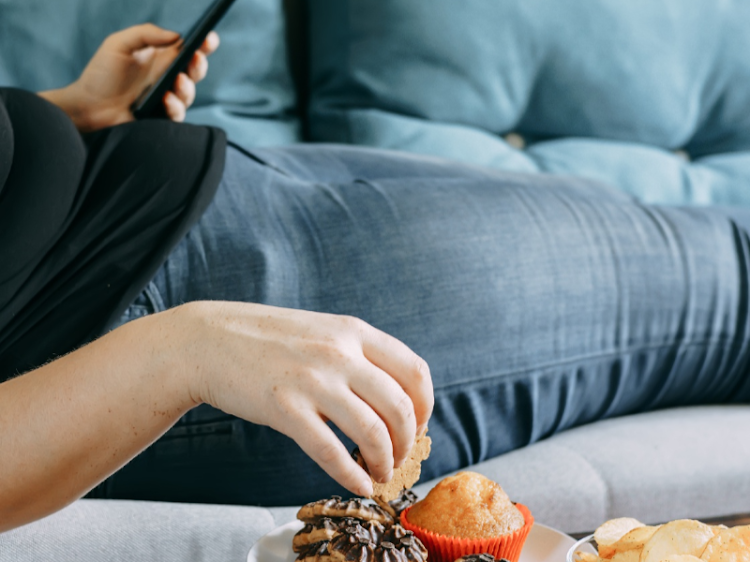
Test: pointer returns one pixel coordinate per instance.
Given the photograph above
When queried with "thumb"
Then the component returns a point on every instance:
(142, 36)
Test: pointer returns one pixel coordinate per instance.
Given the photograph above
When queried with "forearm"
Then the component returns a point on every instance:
(67, 426)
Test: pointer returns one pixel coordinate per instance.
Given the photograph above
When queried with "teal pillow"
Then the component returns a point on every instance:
(617, 91)
(45, 44)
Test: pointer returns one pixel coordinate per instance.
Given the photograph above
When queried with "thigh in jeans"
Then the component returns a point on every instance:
(539, 302)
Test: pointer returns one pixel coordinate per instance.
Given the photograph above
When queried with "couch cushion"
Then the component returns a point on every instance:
(604, 89)
(45, 44)
(679, 463)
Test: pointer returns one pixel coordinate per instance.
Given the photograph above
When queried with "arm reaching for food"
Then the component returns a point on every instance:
(125, 64)
(68, 425)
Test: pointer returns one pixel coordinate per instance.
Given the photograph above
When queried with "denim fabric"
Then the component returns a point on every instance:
(602, 89)
(540, 303)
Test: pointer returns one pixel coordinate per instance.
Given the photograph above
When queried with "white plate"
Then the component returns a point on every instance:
(543, 545)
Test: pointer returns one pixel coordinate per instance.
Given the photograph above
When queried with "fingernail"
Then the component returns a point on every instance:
(387, 478)
(421, 430)
(365, 490)
(400, 463)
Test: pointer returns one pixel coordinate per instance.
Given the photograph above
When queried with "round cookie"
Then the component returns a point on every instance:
(371, 531)
(387, 552)
(336, 507)
(317, 552)
(325, 529)
(312, 533)
(405, 499)
(395, 533)
(350, 545)
(404, 477)
(406, 543)
(484, 557)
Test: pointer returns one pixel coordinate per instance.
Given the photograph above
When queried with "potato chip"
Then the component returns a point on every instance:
(613, 530)
(681, 558)
(581, 556)
(634, 539)
(683, 536)
(627, 556)
(730, 545)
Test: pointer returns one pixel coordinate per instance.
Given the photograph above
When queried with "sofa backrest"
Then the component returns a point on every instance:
(616, 91)
(604, 88)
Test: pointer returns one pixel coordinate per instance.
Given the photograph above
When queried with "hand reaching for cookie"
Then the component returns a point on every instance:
(294, 370)
(88, 413)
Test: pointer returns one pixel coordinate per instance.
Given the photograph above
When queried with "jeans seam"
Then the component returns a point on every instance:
(724, 342)
(154, 297)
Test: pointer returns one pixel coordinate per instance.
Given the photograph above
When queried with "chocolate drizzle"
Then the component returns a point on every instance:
(410, 546)
(388, 552)
(314, 552)
(406, 499)
(352, 545)
(321, 530)
(336, 507)
(484, 557)
(339, 530)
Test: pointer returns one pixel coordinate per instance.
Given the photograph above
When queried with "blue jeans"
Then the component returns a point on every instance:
(539, 302)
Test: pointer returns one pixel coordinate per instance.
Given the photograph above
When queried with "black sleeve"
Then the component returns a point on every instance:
(90, 221)
(6, 145)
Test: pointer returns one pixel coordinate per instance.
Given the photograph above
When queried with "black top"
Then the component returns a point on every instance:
(85, 221)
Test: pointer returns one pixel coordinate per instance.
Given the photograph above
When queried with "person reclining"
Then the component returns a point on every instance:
(154, 244)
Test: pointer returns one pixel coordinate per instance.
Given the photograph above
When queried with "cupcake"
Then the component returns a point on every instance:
(469, 514)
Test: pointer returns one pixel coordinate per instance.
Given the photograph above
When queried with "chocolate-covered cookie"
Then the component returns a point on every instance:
(484, 557)
(394, 533)
(405, 499)
(387, 552)
(351, 545)
(317, 552)
(321, 530)
(336, 507)
(405, 542)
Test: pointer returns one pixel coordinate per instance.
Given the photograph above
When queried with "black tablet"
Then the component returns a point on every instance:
(149, 104)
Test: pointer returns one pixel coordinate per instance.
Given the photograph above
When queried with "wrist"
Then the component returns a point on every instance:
(176, 335)
(71, 102)
(165, 341)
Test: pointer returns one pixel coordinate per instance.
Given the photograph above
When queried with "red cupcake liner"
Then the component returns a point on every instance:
(443, 548)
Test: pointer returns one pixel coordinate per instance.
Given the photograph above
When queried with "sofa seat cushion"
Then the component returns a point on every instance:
(689, 462)
(45, 44)
(616, 91)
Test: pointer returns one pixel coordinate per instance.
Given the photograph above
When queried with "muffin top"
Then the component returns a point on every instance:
(467, 505)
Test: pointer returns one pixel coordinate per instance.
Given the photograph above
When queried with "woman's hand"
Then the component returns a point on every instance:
(126, 64)
(68, 425)
(294, 370)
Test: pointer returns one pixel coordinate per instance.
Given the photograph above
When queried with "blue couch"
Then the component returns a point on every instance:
(650, 98)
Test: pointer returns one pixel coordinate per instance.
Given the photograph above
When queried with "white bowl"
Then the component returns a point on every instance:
(586, 544)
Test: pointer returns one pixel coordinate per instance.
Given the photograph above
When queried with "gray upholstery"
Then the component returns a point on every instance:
(686, 462)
